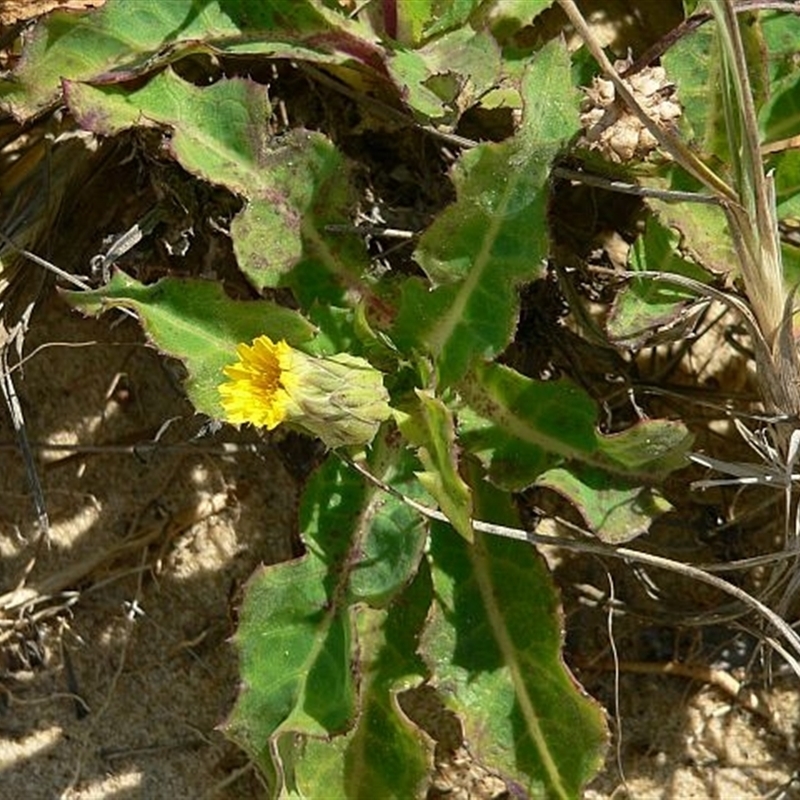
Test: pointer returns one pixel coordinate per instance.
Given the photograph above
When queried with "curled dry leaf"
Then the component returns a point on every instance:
(13, 11)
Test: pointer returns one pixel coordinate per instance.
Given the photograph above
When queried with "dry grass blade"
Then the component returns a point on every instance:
(753, 221)
(767, 311)
(750, 208)
(18, 421)
(17, 300)
(35, 178)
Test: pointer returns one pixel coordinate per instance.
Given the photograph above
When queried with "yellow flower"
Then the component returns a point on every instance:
(339, 398)
(257, 389)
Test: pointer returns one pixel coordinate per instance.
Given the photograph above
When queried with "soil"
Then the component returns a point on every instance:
(116, 661)
(114, 685)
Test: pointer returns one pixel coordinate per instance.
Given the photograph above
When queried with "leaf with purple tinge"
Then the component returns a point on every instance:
(294, 188)
(493, 643)
(126, 39)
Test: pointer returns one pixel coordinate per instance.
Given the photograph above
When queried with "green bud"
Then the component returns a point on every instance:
(339, 398)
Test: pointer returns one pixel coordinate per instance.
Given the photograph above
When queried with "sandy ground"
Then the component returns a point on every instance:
(114, 685)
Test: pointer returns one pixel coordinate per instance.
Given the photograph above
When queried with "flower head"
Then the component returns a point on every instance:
(257, 388)
(339, 398)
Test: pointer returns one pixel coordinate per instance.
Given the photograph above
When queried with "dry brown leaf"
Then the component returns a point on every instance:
(13, 11)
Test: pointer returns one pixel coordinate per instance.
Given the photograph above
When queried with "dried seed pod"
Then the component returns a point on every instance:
(614, 130)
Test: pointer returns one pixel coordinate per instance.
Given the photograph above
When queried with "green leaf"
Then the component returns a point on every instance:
(218, 131)
(430, 427)
(195, 321)
(115, 41)
(519, 428)
(616, 510)
(786, 167)
(779, 118)
(127, 38)
(787, 183)
(449, 14)
(646, 307)
(411, 19)
(493, 644)
(509, 17)
(695, 63)
(385, 755)
(305, 186)
(425, 19)
(449, 74)
(516, 425)
(294, 189)
(649, 449)
(509, 462)
(702, 227)
(611, 497)
(494, 236)
(791, 264)
(691, 62)
(781, 34)
(298, 636)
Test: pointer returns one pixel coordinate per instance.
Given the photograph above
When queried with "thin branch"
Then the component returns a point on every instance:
(691, 24)
(667, 195)
(585, 545)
